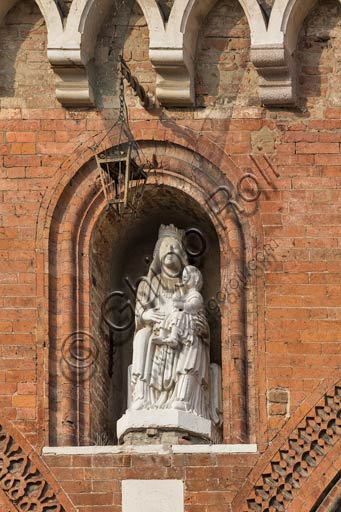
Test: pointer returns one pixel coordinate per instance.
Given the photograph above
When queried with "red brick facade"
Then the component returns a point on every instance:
(280, 336)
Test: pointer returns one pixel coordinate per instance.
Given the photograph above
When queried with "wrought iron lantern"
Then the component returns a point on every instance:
(122, 173)
(123, 177)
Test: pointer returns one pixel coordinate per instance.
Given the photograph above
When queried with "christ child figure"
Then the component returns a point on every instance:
(180, 324)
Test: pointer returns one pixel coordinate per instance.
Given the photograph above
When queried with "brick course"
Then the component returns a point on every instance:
(212, 481)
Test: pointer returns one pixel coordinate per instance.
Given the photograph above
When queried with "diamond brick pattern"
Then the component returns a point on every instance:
(22, 481)
(294, 462)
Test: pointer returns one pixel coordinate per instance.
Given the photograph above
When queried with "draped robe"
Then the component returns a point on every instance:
(163, 376)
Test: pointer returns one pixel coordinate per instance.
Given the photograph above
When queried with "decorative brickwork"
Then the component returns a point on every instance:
(24, 479)
(305, 448)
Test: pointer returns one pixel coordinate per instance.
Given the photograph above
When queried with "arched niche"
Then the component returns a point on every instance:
(120, 254)
(185, 179)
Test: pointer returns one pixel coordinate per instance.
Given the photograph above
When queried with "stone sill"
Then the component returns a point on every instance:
(160, 449)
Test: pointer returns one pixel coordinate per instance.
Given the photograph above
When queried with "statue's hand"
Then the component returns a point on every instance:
(171, 343)
(179, 304)
(152, 316)
(201, 326)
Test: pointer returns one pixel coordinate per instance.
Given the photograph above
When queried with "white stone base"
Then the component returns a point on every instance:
(167, 419)
(152, 496)
(156, 449)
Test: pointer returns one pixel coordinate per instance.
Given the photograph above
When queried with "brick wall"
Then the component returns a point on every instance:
(212, 481)
(296, 298)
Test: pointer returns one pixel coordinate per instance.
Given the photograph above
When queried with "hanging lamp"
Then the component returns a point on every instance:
(122, 173)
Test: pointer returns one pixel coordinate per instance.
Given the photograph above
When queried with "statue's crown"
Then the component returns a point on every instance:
(171, 231)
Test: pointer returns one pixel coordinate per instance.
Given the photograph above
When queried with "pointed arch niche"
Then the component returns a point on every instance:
(90, 255)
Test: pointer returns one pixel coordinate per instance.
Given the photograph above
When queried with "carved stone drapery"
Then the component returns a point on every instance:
(171, 374)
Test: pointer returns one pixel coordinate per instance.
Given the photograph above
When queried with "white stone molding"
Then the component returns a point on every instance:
(71, 54)
(172, 43)
(172, 50)
(64, 53)
(277, 77)
(172, 46)
(273, 56)
(160, 449)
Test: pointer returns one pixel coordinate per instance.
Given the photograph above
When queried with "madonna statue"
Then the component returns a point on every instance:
(170, 371)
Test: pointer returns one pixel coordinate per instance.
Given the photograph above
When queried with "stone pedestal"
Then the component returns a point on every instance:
(166, 426)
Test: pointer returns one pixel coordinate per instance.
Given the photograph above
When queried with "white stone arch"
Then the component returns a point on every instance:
(286, 19)
(76, 46)
(274, 56)
(72, 84)
(172, 42)
(50, 13)
(195, 12)
(174, 59)
(86, 17)
(172, 46)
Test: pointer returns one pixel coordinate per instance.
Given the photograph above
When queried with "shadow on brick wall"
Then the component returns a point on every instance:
(318, 67)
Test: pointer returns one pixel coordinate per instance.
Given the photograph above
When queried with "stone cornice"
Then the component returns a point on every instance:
(71, 46)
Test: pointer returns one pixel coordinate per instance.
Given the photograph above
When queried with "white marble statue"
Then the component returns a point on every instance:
(171, 364)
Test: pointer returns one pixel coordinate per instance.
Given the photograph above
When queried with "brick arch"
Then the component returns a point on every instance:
(21, 469)
(68, 226)
(155, 131)
(293, 473)
(330, 498)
